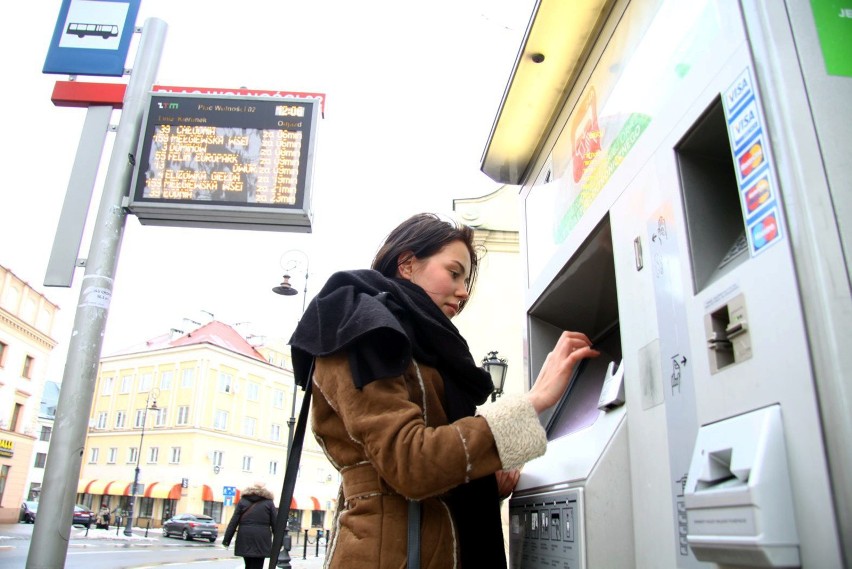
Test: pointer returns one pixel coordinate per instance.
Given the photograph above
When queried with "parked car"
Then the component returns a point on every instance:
(191, 526)
(28, 512)
(83, 516)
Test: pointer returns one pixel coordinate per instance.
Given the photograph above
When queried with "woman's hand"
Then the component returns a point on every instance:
(506, 481)
(555, 374)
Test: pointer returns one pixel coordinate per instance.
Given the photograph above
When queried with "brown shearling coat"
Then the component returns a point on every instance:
(391, 441)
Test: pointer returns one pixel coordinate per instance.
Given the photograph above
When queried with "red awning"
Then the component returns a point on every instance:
(118, 488)
(305, 503)
(207, 494)
(163, 491)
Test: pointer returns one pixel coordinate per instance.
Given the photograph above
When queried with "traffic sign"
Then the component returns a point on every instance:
(92, 38)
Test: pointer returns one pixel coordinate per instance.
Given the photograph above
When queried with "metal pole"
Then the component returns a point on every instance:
(49, 545)
(128, 528)
(282, 559)
(284, 556)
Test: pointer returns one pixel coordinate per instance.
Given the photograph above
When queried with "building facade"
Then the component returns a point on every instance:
(201, 415)
(26, 324)
(43, 432)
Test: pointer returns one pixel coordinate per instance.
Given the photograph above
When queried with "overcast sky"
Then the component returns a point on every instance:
(412, 91)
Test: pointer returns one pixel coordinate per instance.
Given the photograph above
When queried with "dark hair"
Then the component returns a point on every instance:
(424, 235)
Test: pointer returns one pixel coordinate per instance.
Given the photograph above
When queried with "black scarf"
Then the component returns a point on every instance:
(383, 323)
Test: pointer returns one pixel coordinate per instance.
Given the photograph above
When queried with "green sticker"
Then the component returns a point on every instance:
(834, 27)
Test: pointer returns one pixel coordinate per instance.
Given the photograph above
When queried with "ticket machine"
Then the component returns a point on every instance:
(686, 206)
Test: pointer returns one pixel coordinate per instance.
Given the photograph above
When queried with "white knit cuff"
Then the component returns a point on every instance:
(517, 431)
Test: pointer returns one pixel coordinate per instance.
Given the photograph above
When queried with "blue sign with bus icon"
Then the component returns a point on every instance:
(92, 38)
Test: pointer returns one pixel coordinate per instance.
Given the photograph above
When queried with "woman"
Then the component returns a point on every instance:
(395, 405)
(255, 515)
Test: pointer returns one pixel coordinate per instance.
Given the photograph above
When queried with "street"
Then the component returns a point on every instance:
(111, 549)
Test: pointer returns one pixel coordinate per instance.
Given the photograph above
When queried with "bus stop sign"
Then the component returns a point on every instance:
(92, 38)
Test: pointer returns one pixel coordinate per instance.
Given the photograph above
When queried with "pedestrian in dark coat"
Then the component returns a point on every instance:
(255, 515)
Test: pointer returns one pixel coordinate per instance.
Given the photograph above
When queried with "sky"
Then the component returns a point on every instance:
(412, 91)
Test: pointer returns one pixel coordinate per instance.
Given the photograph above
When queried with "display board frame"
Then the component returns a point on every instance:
(225, 161)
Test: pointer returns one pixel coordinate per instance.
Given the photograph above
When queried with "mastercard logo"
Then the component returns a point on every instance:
(757, 195)
(765, 232)
(751, 159)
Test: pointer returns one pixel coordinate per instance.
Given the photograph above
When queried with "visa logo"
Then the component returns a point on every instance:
(744, 123)
(741, 88)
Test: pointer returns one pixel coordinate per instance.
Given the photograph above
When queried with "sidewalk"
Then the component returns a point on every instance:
(80, 536)
(296, 561)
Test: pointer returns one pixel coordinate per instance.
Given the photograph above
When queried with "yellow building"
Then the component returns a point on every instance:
(202, 415)
(26, 325)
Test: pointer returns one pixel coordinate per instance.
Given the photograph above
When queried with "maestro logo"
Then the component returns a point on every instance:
(764, 231)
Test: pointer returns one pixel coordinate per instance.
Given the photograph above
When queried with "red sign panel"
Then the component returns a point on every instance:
(242, 92)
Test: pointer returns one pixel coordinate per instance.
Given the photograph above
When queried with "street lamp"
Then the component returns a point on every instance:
(150, 405)
(286, 289)
(496, 367)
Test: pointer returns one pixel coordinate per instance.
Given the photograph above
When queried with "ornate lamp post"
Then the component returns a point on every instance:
(497, 368)
(286, 289)
(150, 405)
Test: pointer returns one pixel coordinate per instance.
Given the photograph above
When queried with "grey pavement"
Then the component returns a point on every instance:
(299, 558)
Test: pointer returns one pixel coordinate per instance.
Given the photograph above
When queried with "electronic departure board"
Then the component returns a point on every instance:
(240, 162)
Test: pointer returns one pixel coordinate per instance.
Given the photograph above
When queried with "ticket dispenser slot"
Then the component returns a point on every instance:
(714, 221)
(739, 503)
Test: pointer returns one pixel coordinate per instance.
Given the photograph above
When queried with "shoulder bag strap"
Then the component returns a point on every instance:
(413, 534)
(253, 504)
(295, 453)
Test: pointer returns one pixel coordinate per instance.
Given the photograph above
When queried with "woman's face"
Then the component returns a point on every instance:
(443, 276)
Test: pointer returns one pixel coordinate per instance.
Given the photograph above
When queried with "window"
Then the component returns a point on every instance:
(278, 399)
(107, 385)
(140, 418)
(183, 415)
(166, 378)
(120, 418)
(220, 420)
(317, 518)
(273, 467)
(217, 458)
(27, 372)
(253, 392)
(153, 455)
(145, 381)
(45, 433)
(3, 349)
(246, 464)
(275, 432)
(112, 453)
(93, 455)
(126, 383)
(187, 376)
(146, 507)
(102, 420)
(4, 475)
(249, 425)
(16, 416)
(225, 382)
(174, 457)
(40, 459)
(214, 510)
(132, 454)
(160, 417)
